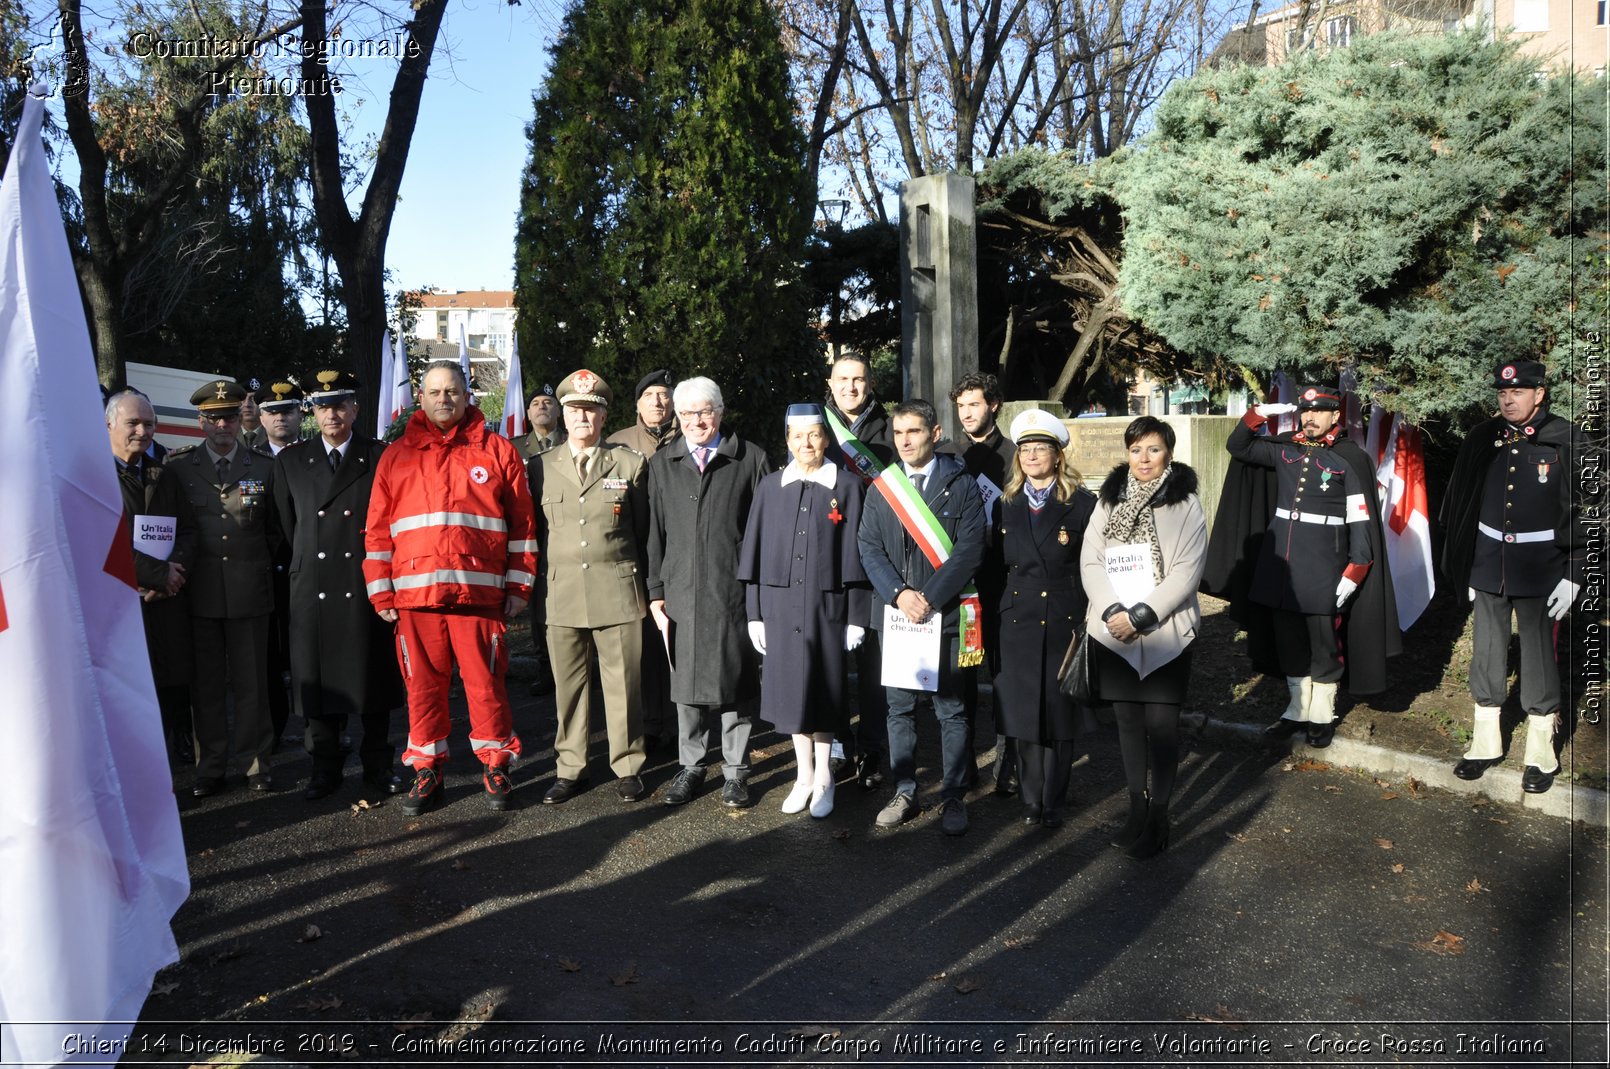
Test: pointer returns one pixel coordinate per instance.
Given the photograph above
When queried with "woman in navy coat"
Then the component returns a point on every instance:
(807, 598)
(1039, 528)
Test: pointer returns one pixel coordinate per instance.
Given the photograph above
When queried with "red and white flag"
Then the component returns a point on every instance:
(464, 355)
(383, 416)
(401, 397)
(1399, 452)
(513, 421)
(92, 862)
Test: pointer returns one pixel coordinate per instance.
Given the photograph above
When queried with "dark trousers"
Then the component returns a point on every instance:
(1044, 770)
(870, 733)
(949, 710)
(1308, 646)
(279, 664)
(231, 658)
(322, 738)
(1489, 655)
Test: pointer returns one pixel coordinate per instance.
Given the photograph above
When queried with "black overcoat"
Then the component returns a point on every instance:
(696, 529)
(1041, 604)
(167, 620)
(801, 569)
(341, 652)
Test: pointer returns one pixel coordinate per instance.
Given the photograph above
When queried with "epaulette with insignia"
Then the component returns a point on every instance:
(183, 450)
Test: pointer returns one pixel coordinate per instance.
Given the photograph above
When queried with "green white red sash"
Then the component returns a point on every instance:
(921, 524)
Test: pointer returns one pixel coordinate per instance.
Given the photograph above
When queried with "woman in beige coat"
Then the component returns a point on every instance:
(1143, 555)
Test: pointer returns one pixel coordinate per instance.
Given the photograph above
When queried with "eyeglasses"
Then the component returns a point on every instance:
(1035, 449)
(700, 414)
(218, 421)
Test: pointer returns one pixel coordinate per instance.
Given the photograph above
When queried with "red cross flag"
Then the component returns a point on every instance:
(92, 865)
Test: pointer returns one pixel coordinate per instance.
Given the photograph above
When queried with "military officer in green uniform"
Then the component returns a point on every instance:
(592, 539)
(230, 588)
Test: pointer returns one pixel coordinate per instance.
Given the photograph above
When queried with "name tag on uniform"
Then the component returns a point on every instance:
(615, 484)
(251, 486)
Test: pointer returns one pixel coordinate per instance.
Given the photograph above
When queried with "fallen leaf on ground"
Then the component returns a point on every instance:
(164, 989)
(328, 1002)
(1017, 942)
(361, 804)
(1383, 784)
(413, 1021)
(1388, 796)
(966, 985)
(939, 976)
(627, 977)
(1384, 844)
(310, 933)
(842, 834)
(1308, 764)
(1225, 1017)
(1444, 942)
(1332, 788)
(1475, 886)
(1287, 830)
(1237, 836)
(414, 826)
(1497, 820)
(1398, 867)
(1288, 766)
(459, 864)
(570, 965)
(1415, 786)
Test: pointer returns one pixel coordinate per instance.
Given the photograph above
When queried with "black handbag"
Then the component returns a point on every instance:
(1073, 678)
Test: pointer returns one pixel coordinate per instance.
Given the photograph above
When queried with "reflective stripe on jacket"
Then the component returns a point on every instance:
(450, 519)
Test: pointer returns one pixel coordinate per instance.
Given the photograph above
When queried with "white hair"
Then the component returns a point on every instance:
(690, 392)
(116, 400)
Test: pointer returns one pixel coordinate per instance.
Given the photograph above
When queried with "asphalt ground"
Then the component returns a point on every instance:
(1304, 913)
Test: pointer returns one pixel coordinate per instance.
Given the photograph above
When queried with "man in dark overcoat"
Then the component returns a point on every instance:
(341, 656)
(700, 491)
(164, 531)
(852, 400)
(906, 579)
(1516, 542)
(1320, 577)
(280, 406)
(229, 488)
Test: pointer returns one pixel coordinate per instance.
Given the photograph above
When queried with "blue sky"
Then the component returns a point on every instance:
(454, 226)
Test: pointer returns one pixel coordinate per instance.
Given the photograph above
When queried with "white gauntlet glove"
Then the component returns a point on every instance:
(1560, 601)
(1344, 590)
(1266, 411)
(757, 636)
(853, 636)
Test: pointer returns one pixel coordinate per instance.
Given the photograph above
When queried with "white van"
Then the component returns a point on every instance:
(170, 390)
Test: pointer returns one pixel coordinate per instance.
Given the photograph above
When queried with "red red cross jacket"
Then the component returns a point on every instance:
(450, 519)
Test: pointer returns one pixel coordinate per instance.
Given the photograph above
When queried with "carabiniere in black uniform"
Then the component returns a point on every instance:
(1515, 542)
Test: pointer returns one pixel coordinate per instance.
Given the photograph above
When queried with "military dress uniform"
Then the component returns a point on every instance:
(1515, 540)
(1320, 535)
(592, 536)
(231, 597)
(341, 653)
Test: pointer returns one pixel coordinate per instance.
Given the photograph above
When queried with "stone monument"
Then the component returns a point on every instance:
(938, 290)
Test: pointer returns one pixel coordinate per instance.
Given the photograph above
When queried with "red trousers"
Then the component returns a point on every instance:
(428, 644)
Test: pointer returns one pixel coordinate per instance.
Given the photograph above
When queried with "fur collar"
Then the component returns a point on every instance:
(1180, 484)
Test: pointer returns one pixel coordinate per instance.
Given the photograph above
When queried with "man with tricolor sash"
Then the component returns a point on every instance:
(922, 539)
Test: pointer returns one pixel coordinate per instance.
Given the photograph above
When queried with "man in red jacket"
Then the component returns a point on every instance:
(451, 555)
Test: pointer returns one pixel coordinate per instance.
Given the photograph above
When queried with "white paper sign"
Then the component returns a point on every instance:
(1129, 569)
(910, 651)
(988, 491)
(154, 535)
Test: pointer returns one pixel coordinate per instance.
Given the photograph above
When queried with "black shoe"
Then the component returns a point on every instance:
(262, 781)
(1473, 767)
(1130, 833)
(1051, 819)
(184, 752)
(498, 787)
(735, 795)
(321, 785)
(1283, 728)
(1032, 814)
(1005, 788)
(1319, 735)
(207, 786)
(630, 788)
(1154, 839)
(384, 779)
(425, 794)
(867, 775)
(684, 787)
(563, 790)
(1535, 781)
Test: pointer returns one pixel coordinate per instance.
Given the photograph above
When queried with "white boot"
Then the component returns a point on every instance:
(1321, 714)
(805, 777)
(1300, 689)
(1485, 742)
(822, 795)
(1540, 743)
